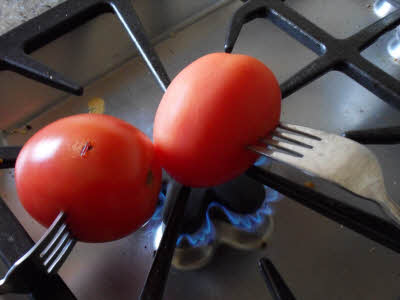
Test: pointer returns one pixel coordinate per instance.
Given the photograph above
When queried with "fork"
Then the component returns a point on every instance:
(43, 259)
(331, 157)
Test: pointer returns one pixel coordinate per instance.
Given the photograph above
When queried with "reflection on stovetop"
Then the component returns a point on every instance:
(382, 8)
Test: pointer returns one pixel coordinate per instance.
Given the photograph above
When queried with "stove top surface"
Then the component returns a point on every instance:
(318, 258)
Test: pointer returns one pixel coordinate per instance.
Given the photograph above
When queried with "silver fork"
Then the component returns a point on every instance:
(334, 158)
(44, 258)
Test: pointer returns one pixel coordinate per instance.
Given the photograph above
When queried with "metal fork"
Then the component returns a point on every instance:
(331, 157)
(44, 258)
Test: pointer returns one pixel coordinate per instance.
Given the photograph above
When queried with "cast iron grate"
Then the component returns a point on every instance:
(17, 44)
(15, 47)
(342, 55)
(334, 54)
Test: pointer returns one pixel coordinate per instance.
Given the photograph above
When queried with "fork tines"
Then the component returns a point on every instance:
(286, 139)
(286, 127)
(56, 245)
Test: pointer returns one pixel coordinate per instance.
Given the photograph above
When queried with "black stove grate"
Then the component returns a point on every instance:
(52, 287)
(342, 55)
(334, 54)
(15, 47)
(17, 44)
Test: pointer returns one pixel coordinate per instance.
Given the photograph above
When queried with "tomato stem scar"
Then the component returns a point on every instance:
(86, 148)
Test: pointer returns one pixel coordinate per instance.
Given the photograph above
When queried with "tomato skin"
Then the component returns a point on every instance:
(212, 110)
(95, 168)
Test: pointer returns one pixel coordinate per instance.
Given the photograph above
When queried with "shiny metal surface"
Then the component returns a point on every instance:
(49, 253)
(336, 159)
(394, 45)
(318, 258)
(92, 50)
(194, 257)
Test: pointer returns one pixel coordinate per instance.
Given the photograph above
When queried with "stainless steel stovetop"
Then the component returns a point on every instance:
(318, 258)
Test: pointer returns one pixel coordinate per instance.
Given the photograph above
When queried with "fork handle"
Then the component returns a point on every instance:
(391, 209)
(376, 192)
(369, 225)
(53, 287)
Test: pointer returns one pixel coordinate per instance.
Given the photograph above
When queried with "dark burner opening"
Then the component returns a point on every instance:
(241, 195)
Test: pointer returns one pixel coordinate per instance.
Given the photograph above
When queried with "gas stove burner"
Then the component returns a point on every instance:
(240, 231)
(237, 214)
(232, 216)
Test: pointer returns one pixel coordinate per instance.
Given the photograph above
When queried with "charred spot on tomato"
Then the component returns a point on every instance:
(149, 178)
(28, 127)
(86, 148)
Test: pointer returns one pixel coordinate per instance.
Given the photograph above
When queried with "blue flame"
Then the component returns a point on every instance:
(262, 161)
(201, 237)
(246, 222)
(207, 233)
(160, 205)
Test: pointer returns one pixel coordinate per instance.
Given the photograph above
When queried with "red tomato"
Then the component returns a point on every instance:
(100, 170)
(210, 113)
